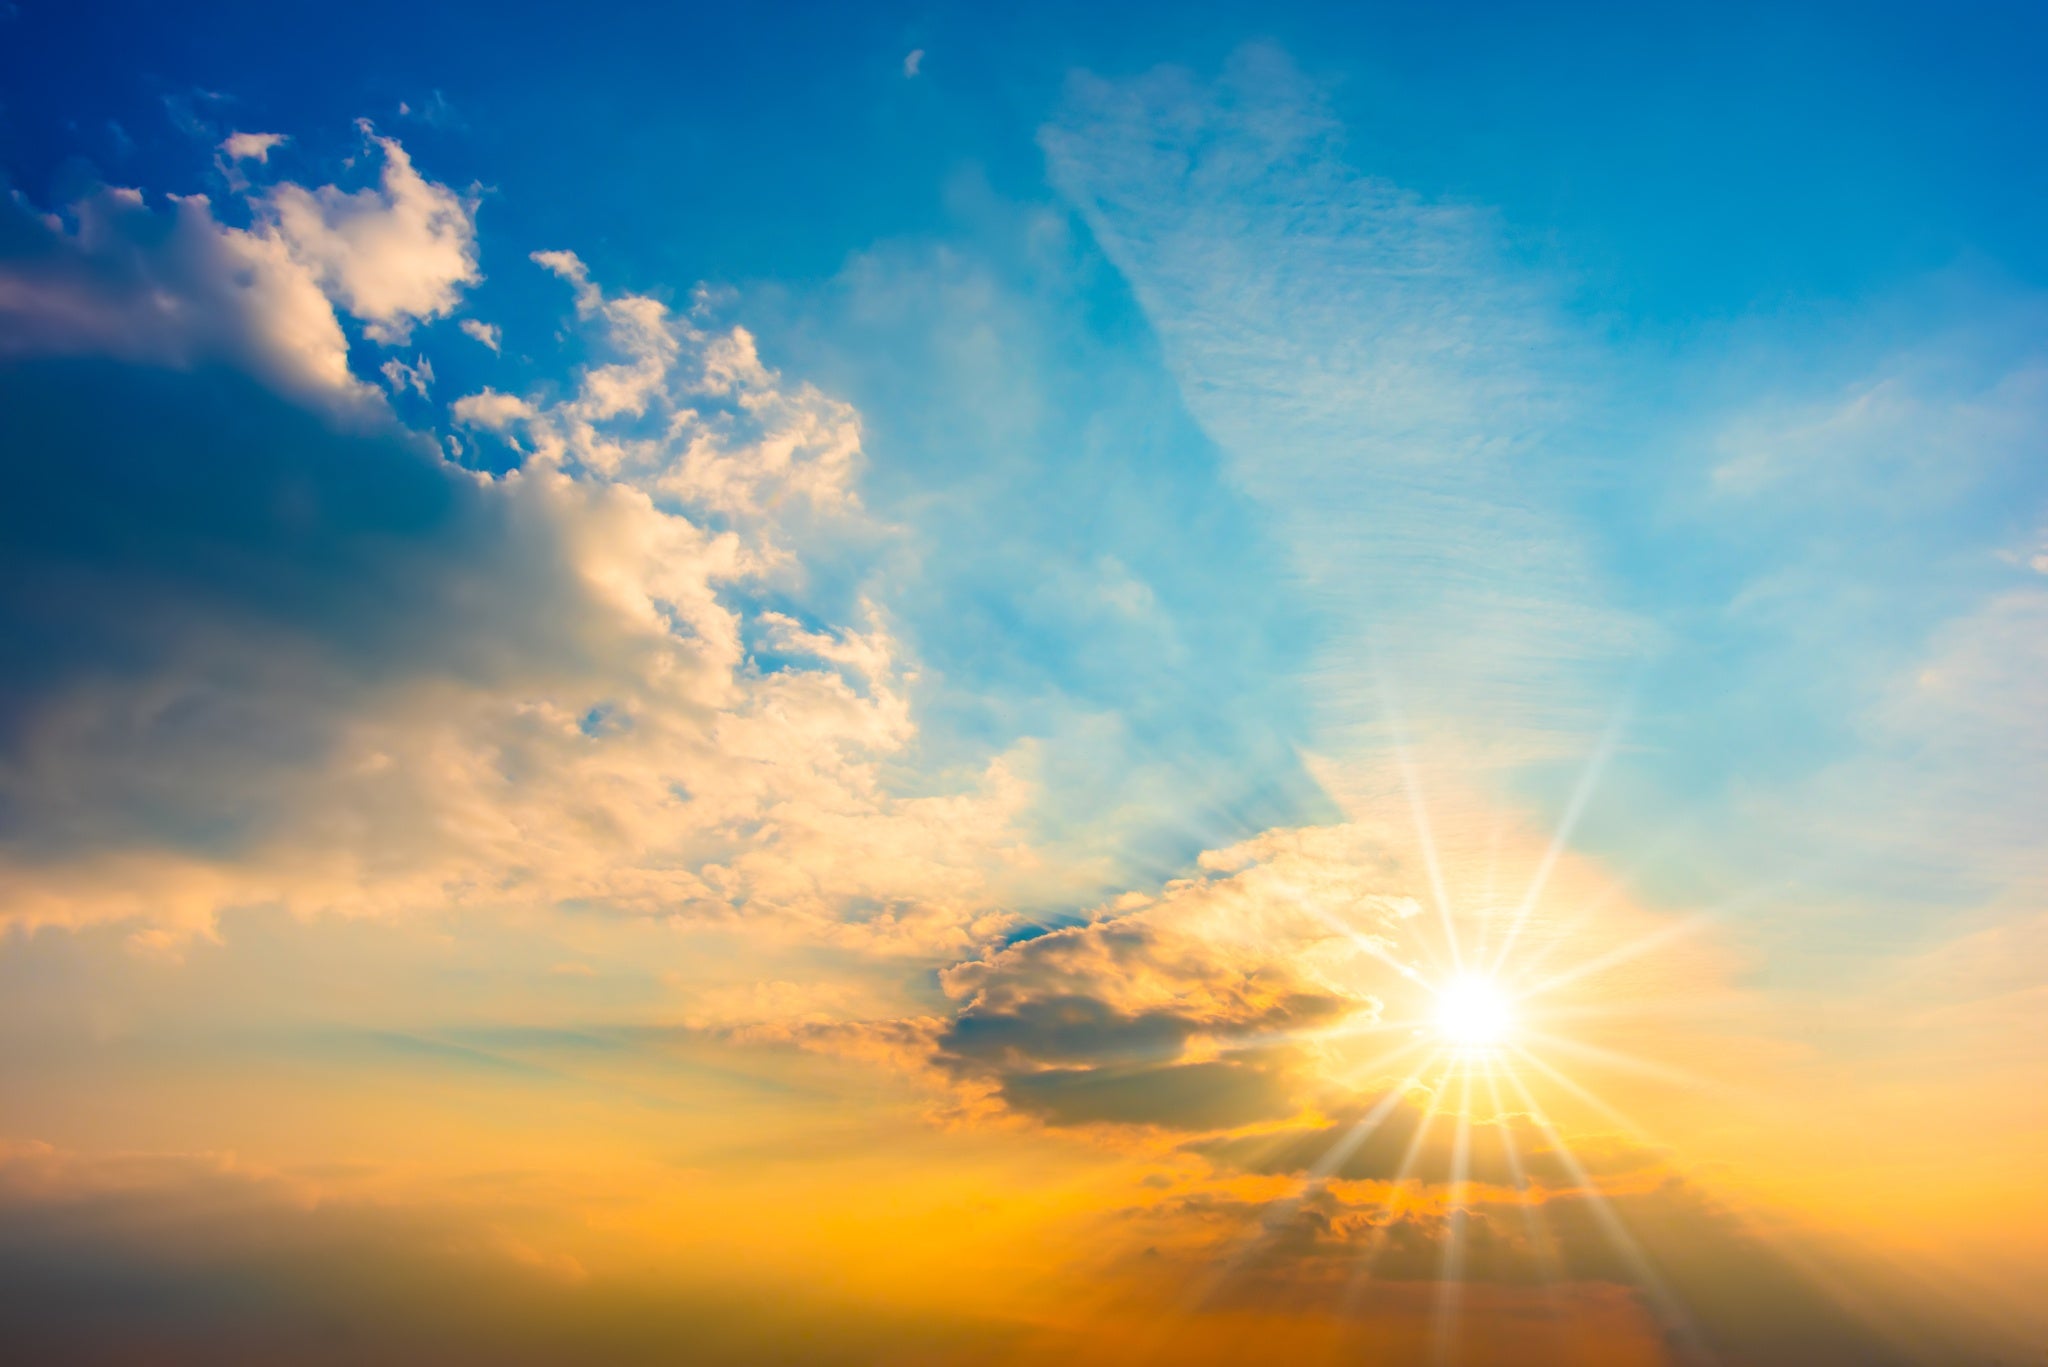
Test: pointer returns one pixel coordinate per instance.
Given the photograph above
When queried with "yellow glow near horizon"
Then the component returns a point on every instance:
(1472, 1013)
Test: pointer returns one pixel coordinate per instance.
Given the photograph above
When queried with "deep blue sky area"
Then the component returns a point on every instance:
(1683, 163)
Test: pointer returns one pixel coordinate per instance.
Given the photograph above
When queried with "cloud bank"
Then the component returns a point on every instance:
(267, 645)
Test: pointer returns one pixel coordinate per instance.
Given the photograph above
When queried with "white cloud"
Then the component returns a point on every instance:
(487, 333)
(124, 283)
(568, 699)
(913, 62)
(254, 147)
(683, 410)
(402, 377)
(120, 282)
(393, 256)
(492, 411)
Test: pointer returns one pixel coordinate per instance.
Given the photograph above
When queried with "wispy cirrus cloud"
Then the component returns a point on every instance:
(1383, 377)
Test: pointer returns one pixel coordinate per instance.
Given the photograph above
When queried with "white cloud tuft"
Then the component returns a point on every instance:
(487, 333)
(254, 147)
(402, 377)
(492, 411)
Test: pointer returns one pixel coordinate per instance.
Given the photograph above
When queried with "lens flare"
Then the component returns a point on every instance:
(1472, 1013)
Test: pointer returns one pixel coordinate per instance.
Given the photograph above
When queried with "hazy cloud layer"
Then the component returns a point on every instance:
(1383, 378)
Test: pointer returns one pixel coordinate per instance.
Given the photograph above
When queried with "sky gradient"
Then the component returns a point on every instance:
(854, 684)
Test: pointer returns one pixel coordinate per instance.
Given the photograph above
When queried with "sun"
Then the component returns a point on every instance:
(1472, 1013)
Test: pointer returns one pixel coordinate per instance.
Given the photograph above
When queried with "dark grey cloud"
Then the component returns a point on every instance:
(177, 1264)
(1212, 1095)
(1099, 1024)
(200, 579)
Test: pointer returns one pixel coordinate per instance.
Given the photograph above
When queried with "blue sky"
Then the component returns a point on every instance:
(957, 518)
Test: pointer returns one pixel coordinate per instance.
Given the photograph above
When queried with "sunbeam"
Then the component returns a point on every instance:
(1451, 1278)
(1630, 1063)
(1678, 1322)
(1589, 780)
(1409, 1159)
(1419, 811)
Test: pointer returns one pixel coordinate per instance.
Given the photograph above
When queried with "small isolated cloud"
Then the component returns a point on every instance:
(487, 333)
(251, 146)
(913, 62)
(492, 411)
(402, 377)
(434, 111)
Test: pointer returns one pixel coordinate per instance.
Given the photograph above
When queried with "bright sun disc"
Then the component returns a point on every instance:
(1472, 1012)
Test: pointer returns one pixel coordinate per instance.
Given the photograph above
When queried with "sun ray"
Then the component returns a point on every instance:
(1677, 1320)
(1276, 1212)
(1490, 888)
(1621, 954)
(1370, 1254)
(1588, 781)
(1587, 1095)
(1614, 890)
(1451, 1273)
(1629, 1063)
(1535, 1226)
(1370, 1121)
(1532, 1219)
(1683, 928)
(1362, 941)
(1419, 810)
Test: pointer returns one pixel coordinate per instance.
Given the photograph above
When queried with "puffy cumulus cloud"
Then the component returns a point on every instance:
(169, 289)
(1201, 1009)
(184, 287)
(392, 256)
(682, 410)
(256, 655)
